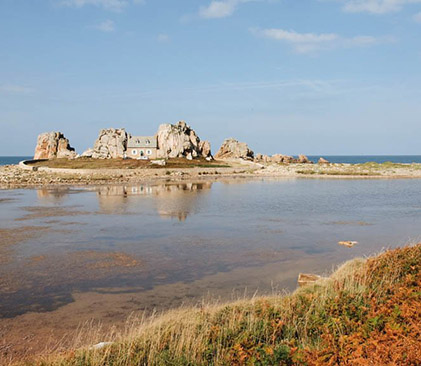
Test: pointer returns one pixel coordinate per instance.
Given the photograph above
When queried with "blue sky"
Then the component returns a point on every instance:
(286, 76)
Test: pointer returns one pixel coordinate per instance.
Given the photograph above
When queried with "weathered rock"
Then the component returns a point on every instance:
(52, 145)
(88, 153)
(180, 140)
(111, 144)
(205, 148)
(232, 149)
(323, 161)
(302, 159)
(277, 158)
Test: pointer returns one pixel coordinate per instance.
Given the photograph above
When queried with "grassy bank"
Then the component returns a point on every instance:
(367, 313)
(89, 163)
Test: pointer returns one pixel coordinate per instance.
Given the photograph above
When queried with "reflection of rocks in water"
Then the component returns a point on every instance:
(56, 195)
(179, 200)
(172, 200)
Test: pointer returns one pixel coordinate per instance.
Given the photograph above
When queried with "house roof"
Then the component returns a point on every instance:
(142, 141)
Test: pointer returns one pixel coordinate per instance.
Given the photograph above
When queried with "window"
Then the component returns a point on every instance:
(149, 152)
(134, 152)
(148, 141)
(142, 153)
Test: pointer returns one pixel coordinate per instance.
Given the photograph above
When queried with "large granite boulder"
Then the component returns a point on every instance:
(232, 149)
(110, 144)
(180, 140)
(51, 145)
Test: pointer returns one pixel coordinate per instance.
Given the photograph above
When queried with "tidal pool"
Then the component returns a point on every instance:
(158, 246)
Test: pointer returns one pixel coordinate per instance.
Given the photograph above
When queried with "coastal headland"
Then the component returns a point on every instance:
(87, 171)
(174, 153)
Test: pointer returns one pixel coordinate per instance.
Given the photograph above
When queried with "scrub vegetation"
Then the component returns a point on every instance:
(368, 312)
(89, 163)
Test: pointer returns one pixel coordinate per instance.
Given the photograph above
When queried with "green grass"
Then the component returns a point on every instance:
(367, 313)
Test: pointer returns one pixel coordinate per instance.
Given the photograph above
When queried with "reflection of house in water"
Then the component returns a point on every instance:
(180, 200)
(171, 200)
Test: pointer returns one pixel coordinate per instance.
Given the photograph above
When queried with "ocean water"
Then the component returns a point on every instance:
(159, 245)
(10, 160)
(361, 159)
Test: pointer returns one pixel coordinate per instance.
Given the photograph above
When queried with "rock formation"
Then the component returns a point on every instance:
(232, 149)
(282, 159)
(323, 161)
(179, 140)
(110, 144)
(302, 159)
(51, 145)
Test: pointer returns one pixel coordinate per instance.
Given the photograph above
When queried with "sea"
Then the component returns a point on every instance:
(344, 159)
(11, 160)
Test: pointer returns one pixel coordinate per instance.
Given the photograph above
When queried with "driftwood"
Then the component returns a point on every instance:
(307, 278)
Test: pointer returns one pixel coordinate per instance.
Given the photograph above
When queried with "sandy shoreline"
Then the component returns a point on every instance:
(14, 176)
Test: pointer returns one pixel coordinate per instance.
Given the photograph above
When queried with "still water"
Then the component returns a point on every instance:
(131, 239)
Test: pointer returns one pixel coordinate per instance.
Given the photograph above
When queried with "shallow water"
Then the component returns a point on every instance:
(116, 240)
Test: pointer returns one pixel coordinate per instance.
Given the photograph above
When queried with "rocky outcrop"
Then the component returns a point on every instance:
(323, 161)
(282, 159)
(232, 149)
(180, 140)
(277, 158)
(110, 144)
(302, 159)
(51, 145)
(87, 153)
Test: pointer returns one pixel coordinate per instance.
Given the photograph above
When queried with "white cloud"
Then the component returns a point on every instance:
(221, 8)
(417, 17)
(15, 89)
(163, 37)
(106, 26)
(294, 37)
(218, 9)
(113, 5)
(376, 6)
(312, 42)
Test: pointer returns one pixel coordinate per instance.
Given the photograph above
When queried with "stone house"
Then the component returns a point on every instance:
(142, 147)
